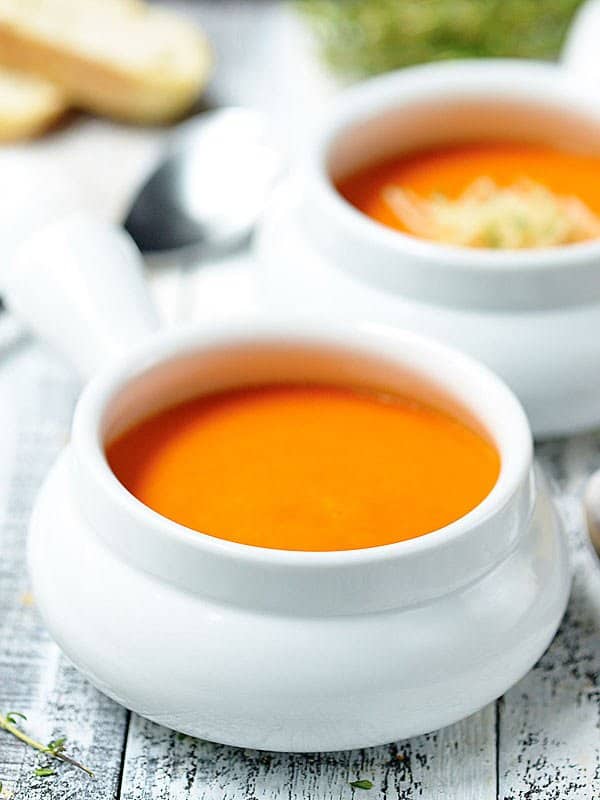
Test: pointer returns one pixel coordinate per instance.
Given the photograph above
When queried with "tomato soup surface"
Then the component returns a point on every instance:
(449, 171)
(306, 467)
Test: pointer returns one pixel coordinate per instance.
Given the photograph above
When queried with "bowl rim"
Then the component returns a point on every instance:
(516, 453)
(374, 96)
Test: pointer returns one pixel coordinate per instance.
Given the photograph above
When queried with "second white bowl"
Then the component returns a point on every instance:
(533, 316)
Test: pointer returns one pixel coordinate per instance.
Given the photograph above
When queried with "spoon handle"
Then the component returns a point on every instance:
(79, 285)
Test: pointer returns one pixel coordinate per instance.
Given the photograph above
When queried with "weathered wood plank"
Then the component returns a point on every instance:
(34, 678)
(457, 763)
(548, 723)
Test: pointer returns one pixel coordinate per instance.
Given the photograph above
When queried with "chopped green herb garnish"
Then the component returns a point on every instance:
(56, 746)
(12, 717)
(45, 772)
(362, 784)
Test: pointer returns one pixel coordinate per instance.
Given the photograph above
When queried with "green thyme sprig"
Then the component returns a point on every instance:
(55, 749)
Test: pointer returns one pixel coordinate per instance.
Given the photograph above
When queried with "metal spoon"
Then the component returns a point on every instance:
(210, 188)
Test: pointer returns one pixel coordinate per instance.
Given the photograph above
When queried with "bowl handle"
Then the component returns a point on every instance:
(580, 50)
(78, 283)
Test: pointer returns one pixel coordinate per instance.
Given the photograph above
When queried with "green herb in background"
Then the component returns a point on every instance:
(364, 37)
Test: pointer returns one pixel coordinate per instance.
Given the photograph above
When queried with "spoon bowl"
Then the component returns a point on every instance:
(210, 187)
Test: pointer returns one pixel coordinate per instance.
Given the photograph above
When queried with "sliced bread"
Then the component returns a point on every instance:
(116, 57)
(28, 105)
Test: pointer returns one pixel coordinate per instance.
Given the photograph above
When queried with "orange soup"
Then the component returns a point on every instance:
(509, 184)
(303, 467)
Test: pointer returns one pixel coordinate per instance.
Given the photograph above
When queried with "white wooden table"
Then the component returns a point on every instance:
(541, 741)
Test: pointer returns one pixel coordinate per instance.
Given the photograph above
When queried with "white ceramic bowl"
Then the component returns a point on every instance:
(533, 316)
(258, 647)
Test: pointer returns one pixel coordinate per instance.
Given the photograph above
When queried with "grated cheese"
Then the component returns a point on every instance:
(523, 215)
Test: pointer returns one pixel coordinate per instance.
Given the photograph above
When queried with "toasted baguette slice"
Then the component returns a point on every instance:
(28, 105)
(115, 57)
